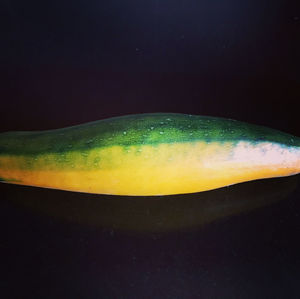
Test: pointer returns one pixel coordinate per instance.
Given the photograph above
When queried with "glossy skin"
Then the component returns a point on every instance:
(148, 154)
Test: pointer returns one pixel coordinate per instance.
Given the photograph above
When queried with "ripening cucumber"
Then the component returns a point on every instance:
(148, 154)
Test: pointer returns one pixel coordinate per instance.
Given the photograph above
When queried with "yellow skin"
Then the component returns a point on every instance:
(148, 154)
(144, 170)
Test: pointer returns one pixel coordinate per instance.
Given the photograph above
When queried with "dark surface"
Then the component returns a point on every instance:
(63, 63)
(237, 242)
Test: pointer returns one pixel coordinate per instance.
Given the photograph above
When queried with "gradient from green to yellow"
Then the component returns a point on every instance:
(147, 154)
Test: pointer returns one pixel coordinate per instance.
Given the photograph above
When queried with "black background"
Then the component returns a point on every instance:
(68, 62)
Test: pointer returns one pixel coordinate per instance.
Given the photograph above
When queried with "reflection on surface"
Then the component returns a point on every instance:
(155, 214)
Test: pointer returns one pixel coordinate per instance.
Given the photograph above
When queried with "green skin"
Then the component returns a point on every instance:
(137, 129)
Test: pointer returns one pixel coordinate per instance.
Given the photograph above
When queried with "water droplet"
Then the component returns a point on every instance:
(205, 134)
(151, 128)
(161, 122)
(161, 133)
(168, 119)
(124, 132)
(84, 154)
(189, 126)
(191, 134)
(144, 135)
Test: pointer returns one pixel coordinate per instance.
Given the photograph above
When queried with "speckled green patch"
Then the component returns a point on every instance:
(139, 129)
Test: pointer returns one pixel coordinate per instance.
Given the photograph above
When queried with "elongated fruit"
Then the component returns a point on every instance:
(148, 154)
